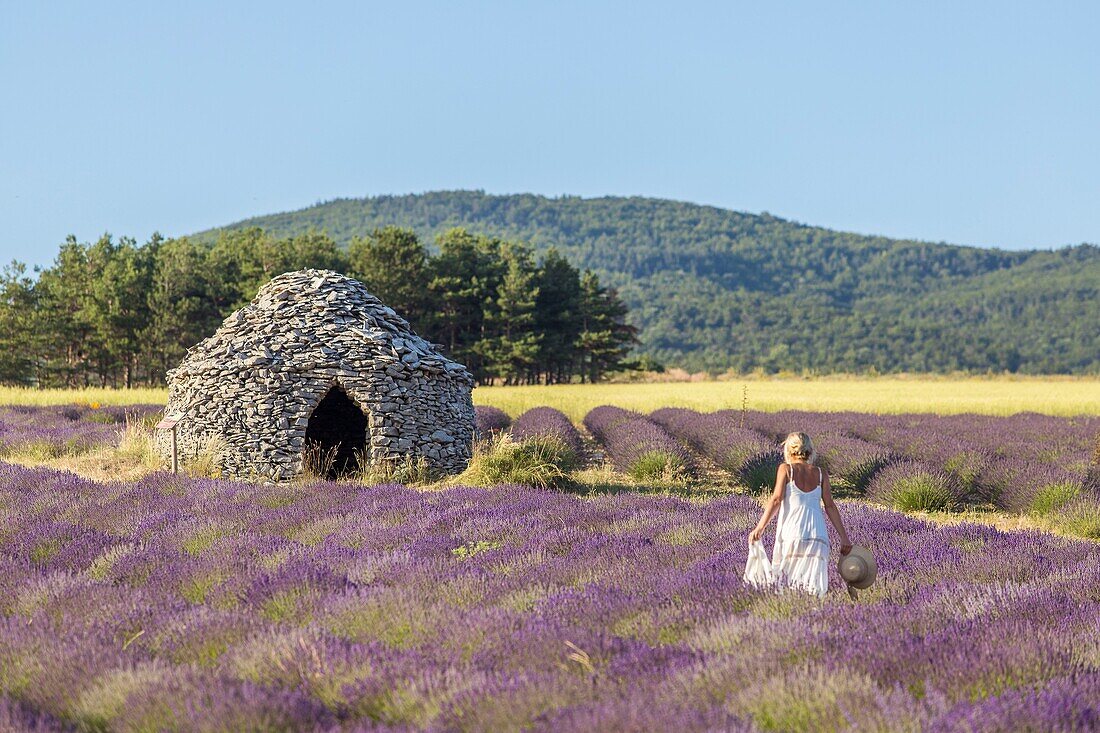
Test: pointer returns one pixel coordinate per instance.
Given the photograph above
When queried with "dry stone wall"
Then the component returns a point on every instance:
(253, 385)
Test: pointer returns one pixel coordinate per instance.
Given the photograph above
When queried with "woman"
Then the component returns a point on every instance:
(801, 554)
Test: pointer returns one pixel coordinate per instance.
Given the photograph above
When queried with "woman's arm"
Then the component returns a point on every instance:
(774, 502)
(834, 514)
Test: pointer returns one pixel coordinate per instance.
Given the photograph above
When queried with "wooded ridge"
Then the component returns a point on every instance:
(710, 288)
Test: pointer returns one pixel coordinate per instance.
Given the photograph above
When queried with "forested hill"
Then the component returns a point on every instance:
(712, 288)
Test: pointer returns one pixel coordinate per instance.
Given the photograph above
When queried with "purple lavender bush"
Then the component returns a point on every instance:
(489, 421)
(717, 435)
(1029, 487)
(176, 603)
(851, 462)
(639, 446)
(758, 472)
(548, 422)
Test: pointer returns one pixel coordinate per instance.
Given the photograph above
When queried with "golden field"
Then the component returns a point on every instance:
(889, 394)
(948, 395)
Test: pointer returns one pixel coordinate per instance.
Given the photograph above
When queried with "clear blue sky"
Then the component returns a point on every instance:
(968, 122)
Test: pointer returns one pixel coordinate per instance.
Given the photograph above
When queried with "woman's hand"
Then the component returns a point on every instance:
(756, 534)
(845, 548)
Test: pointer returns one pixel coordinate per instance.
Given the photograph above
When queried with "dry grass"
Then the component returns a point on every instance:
(409, 470)
(208, 462)
(993, 395)
(893, 394)
(102, 396)
(135, 456)
(1054, 524)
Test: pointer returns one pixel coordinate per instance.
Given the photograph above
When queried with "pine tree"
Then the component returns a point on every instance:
(61, 292)
(18, 333)
(466, 275)
(183, 310)
(512, 349)
(393, 265)
(605, 337)
(557, 316)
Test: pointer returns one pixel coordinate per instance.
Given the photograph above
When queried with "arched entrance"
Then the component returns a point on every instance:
(336, 436)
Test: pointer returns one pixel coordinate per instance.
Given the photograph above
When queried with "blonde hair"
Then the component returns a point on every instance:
(798, 445)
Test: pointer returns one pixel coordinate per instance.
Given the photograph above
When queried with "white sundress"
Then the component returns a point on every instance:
(801, 553)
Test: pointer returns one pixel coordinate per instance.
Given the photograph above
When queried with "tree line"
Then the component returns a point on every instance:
(712, 289)
(117, 313)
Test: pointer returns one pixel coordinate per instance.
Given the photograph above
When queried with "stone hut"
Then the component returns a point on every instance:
(315, 362)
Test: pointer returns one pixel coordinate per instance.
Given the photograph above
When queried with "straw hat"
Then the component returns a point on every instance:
(858, 568)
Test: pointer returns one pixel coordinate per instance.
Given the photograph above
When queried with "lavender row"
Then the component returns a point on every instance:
(716, 435)
(638, 446)
(214, 605)
(720, 436)
(548, 422)
(56, 430)
(1025, 462)
(752, 456)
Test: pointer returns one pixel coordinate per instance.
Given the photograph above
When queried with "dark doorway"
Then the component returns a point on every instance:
(336, 436)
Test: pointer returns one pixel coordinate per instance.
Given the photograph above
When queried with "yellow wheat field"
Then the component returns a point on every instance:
(90, 395)
(948, 395)
(944, 395)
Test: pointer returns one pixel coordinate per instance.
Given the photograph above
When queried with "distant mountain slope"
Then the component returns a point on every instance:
(713, 288)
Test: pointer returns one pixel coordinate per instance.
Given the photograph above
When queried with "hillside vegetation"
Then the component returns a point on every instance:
(714, 289)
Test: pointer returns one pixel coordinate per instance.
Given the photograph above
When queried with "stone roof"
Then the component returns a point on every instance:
(256, 382)
(290, 321)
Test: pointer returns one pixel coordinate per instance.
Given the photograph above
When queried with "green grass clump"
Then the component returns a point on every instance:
(407, 470)
(475, 548)
(658, 466)
(1053, 497)
(923, 493)
(1080, 518)
(544, 462)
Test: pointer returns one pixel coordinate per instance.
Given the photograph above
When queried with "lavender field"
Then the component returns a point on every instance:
(176, 603)
(1024, 464)
(49, 431)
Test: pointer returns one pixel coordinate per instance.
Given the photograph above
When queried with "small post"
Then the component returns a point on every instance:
(169, 423)
(175, 453)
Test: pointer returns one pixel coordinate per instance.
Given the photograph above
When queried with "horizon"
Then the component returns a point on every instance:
(319, 204)
(935, 123)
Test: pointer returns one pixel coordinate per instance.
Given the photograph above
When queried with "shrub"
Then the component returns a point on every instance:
(631, 440)
(914, 486)
(851, 462)
(546, 421)
(541, 461)
(717, 435)
(488, 421)
(759, 470)
(658, 466)
(1028, 486)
